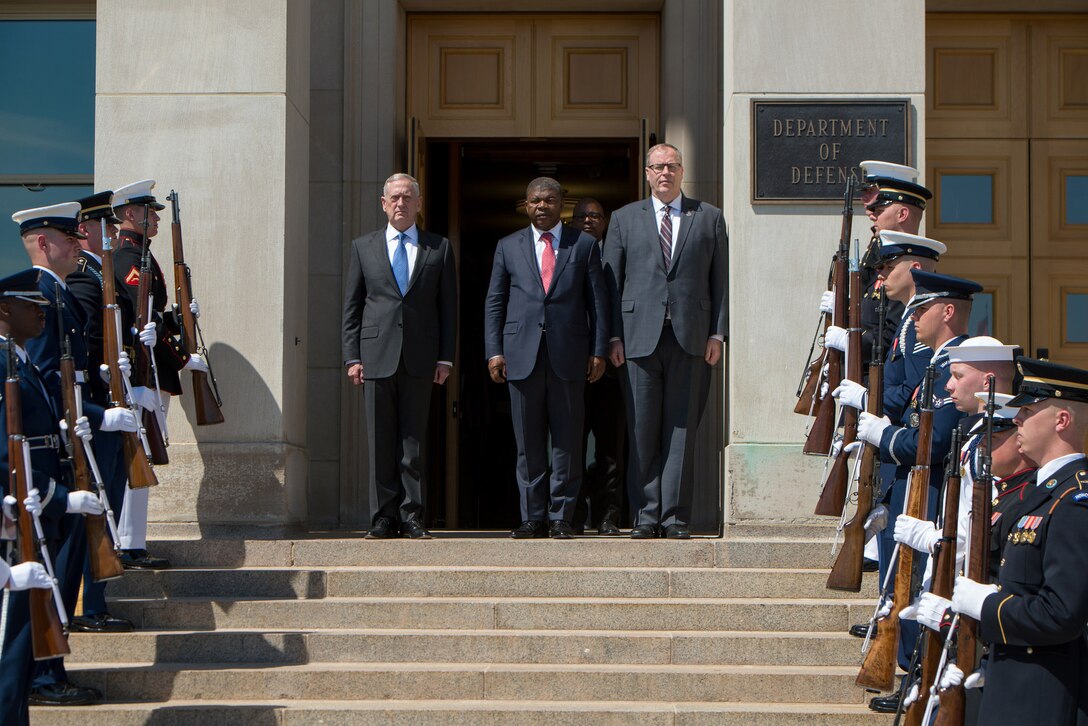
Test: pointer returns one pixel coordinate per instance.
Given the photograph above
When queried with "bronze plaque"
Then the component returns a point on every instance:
(804, 151)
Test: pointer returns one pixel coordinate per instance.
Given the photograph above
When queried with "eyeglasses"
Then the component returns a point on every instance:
(590, 215)
(658, 168)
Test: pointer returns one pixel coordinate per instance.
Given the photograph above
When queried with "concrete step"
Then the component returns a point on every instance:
(528, 682)
(760, 614)
(264, 712)
(449, 581)
(260, 647)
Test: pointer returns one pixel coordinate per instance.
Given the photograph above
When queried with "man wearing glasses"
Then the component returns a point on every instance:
(667, 269)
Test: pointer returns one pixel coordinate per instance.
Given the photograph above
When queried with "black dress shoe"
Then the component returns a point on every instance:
(64, 694)
(142, 560)
(560, 530)
(677, 531)
(870, 566)
(644, 531)
(100, 623)
(414, 530)
(860, 630)
(384, 528)
(530, 530)
(608, 529)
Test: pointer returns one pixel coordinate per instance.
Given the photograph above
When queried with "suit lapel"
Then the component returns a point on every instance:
(567, 238)
(687, 214)
(423, 251)
(655, 238)
(528, 247)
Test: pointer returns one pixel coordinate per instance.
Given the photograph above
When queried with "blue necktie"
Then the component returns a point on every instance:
(400, 264)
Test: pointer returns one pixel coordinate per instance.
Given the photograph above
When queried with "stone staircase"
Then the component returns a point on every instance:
(473, 629)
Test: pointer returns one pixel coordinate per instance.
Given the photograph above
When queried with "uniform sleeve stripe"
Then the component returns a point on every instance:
(1000, 624)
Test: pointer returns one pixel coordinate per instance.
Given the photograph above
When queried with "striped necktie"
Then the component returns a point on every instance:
(665, 235)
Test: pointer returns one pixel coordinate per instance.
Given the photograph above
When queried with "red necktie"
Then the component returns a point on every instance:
(547, 261)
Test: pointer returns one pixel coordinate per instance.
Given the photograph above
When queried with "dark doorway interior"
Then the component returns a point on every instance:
(471, 194)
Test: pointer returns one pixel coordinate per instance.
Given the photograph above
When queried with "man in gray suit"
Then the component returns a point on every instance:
(399, 337)
(666, 267)
(545, 328)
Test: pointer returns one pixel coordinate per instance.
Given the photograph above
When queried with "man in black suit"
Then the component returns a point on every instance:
(545, 328)
(399, 338)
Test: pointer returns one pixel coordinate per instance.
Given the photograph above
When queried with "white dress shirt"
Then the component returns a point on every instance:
(411, 245)
(1048, 469)
(674, 213)
(538, 244)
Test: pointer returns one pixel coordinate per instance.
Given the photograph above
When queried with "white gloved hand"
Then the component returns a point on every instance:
(851, 394)
(33, 502)
(196, 363)
(9, 507)
(827, 302)
(84, 503)
(978, 678)
(885, 609)
(853, 446)
(29, 575)
(912, 696)
(194, 308)
(147, 336)
(951, 677)
(124, 364)
(917, 534)
(871, 428)
(145, 397)
(910, 612)
(836, 337)
(968, 596)
(876, 521)
(82, 428)
(931, 610)
(119, 418)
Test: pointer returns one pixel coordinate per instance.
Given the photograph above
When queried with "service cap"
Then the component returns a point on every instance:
(935, 286)
(63, 217)
(1038, 380)
(137, 193)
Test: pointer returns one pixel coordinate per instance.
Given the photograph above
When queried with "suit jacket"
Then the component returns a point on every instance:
(695, 287)
(380, 324)
(573, 313)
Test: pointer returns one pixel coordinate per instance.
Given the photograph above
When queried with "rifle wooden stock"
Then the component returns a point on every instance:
(46, 631)
(206, 404)
(878, 670)
(953, 705)
(105, 564)
(944, 577)
(140, 473)
(141, 363)
(822, 432)
(805, 401)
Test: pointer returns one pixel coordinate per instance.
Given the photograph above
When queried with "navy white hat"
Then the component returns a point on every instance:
(137, 193)
(935, 286)
(897, 244)
(1038, 380)
(63, 217)
(1003, 414)
(981, 349)
(24, 286)
(890, 182)
(98, 206)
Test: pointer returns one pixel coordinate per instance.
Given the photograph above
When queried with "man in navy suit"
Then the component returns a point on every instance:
(546, 333)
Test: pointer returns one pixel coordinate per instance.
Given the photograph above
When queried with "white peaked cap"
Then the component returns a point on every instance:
(888, 170)
(981, 349)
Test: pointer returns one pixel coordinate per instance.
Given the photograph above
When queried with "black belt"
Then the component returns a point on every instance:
(51, 441)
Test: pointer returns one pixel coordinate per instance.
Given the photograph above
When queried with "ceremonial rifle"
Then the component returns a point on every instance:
(878, 669)
(833, 496)
(136, 449)
(846, 573)
(47, 617)
(206, 397)
(102, 549)
(144, 370)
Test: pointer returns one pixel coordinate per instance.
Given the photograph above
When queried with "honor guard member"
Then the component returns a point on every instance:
(135, 205)
(86, 286)
(1034, 618)
(22, 318)
(894, 202)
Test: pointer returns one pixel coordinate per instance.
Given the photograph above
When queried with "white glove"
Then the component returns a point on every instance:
(836, 337)
(9, 507)
(147, 335)
(917, 534)
(968, 596)
(885, 609)
(978, 678)
(82, 428)
(145, 397)
(124, 364)
(912, 696)
(876, 521)
(33, 502)
(871, 428)
(827, 302)
(84, 503)
(196, 363)
(951, 678)
(910, 612)
(931, 610)
(851, 394)
(29, 575)
(194, 308)
(117, 418)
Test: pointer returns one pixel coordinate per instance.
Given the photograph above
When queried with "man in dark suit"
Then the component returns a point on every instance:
(399, 338)
(667, 271)
(545, 328)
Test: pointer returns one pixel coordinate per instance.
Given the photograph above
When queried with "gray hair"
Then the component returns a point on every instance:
(662, 147)
(401, 176)
(546, 183)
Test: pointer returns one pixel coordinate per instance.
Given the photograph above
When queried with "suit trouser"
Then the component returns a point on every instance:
(68, 557)
(109, 451)
(665, 396)
(132, 521)
(602, 488)
(540, 405)
(397, 410)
